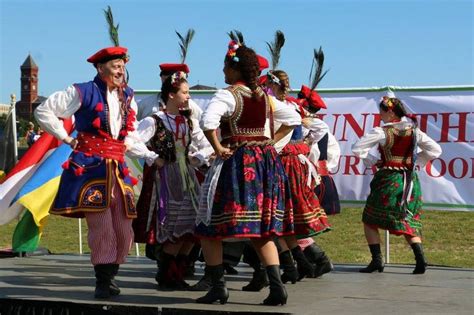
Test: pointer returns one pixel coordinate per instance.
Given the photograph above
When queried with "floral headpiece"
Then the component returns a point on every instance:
(232, 51)
(273, 78)
(389, 102)
(177, 76)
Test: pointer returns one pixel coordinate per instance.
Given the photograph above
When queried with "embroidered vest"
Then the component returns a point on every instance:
(397, 153)
(246, 126)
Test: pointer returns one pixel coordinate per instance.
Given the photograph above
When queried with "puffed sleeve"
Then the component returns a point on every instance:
(285, 113)
(200, 147)
(135, 140)
(317, 129)
(362, 147)
(222, 104)
(62, 104)
(428, 148)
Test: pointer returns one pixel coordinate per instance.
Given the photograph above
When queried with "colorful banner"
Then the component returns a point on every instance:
(444, 113)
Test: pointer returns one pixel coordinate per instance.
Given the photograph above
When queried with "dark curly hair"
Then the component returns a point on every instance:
(247, 65)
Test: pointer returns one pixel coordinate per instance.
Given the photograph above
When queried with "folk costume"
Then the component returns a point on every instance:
(395, 201)
(324, 149)
(247, 194)
(389, 206)
(170, 195)
(96, 183)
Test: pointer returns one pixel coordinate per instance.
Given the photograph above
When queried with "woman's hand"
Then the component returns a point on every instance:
(72, 142)
(224, 153)
(159, 162)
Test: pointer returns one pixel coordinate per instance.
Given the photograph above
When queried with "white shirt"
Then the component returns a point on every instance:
(314, 130)
(199, 148)
(428, 149)
(284, 113)
(151, 104)
(64, 104)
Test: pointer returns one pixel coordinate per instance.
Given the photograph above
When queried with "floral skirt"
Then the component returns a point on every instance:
(251, 197)
(309, 218)
(383, 208)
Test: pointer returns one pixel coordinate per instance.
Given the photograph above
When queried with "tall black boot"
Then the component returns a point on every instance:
(319, 258)
(259, 276)
(278, 293)
(218, 289)
(103, 274)
(166, 270)
(204, 284)
(259, 279)
(288, 265)
(114, 289)
(421, 263)
(377, 261)
(181, 263)
(305, 269)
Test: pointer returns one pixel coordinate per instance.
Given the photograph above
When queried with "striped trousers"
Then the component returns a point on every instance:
(110, 232)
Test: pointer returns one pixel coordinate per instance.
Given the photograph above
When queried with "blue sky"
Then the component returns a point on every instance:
(367, 43)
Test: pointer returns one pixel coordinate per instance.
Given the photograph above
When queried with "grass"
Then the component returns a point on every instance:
(448, 238)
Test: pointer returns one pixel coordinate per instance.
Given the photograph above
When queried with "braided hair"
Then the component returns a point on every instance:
(247, 65)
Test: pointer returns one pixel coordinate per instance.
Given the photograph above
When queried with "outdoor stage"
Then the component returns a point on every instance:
(63, 284)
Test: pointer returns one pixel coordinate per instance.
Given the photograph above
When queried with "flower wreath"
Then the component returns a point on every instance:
(178, 76)
(389, 102)
(232, 51)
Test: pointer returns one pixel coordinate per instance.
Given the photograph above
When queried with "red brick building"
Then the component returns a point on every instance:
(29, 89)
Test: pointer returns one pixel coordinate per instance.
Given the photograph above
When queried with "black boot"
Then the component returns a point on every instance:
(181, 263)
(114, 289)
(204, 284)
(278, 293)
(218, 289)
(421, 263)
(319, 259)
(103, 275)
(305, 268)
(288, 265)
(259, 280)
(377, 261)
(166, 271)
(229, 269)
(259, 276)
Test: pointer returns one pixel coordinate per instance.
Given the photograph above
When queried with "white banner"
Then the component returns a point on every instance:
(444, 113)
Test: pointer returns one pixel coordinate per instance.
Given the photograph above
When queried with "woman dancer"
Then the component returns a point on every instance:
(250, 194)
(394, 202)
(170, 194)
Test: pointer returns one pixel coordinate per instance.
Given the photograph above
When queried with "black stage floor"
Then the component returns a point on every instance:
(63, 284)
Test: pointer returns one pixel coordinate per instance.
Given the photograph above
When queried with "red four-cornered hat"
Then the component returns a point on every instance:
(109, 53)
(169, 68)
(262, 63)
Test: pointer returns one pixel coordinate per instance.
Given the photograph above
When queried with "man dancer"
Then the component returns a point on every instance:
(96, 182)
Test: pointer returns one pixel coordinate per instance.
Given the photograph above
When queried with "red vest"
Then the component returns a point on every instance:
(246, 125)
(397, 153)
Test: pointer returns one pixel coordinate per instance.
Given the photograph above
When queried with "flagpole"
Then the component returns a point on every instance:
(15, 139)
(80, 236)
